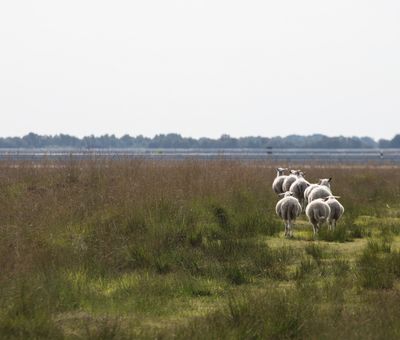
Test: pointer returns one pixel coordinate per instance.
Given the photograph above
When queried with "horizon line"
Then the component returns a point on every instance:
(119, 136)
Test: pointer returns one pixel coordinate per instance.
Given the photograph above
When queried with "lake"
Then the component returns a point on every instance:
(361, 156)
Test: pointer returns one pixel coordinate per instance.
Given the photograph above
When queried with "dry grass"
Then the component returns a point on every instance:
(127, 248)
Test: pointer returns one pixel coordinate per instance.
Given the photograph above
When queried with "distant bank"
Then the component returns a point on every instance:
(176, 141)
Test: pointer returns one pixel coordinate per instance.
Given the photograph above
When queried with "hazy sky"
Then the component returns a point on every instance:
(200, 68)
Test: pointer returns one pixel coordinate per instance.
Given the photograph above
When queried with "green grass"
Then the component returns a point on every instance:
(144, 249)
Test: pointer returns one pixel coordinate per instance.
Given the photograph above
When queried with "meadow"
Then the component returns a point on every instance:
(125, 249)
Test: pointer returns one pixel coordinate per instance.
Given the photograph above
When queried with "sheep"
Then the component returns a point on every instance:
(322, 190)
(278, 181)
(308, 190)
(337, 210)
(323, 182)
(288, 209)
(318, 212)
(294, 174)
(298, 188)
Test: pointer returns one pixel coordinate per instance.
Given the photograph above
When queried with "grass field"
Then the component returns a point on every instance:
(139, 249)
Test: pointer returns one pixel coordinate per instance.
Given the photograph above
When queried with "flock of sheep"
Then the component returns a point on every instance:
(298, 194)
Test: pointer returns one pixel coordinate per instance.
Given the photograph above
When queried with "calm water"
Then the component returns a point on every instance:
(386, 156)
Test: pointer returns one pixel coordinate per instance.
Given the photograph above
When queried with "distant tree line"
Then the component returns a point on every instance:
(174, 140)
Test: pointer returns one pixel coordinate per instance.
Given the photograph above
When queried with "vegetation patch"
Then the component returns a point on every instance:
(142, 249)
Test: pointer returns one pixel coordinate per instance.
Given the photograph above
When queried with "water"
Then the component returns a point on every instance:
(360, 156)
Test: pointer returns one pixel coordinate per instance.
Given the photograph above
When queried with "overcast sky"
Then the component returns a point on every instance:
(200, 68)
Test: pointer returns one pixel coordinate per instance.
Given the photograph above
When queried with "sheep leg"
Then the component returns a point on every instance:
(334, 224)
(286, 228)
(314, 229)
(290, 232)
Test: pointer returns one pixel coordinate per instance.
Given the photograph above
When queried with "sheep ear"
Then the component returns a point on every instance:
(330, 178)
(336, 196)
(281, 195)
(319, 181)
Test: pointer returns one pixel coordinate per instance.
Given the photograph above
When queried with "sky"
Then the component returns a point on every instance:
(200, 68)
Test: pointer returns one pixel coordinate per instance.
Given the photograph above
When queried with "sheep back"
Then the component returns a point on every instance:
(319, 192)
(318, 211)
(288, 208)
(278, 183)
(337, 209)
(288, 182)
(308, 190)
(298, 188)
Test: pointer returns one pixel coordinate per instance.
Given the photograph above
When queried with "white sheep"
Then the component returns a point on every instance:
(322, 190)
(322, 182)
(337, 211)
(294, 174)
(318, 212)
(278, 181)
(298, 188)
(307, 192)
(288, 209)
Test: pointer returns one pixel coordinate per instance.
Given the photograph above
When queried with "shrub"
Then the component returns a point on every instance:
(315, 251)
(340, 234)
(374, 267)
(236, 275)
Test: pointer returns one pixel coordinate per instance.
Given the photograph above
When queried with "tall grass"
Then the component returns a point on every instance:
(379, 266)
(307, 311)
(144, 238)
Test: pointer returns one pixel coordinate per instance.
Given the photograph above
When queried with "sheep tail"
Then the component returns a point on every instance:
(288, 216)
(290, 213)
(317, 216)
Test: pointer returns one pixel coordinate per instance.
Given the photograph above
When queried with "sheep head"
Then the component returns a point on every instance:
(325, 181)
